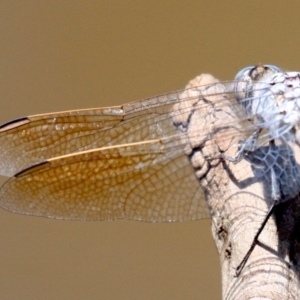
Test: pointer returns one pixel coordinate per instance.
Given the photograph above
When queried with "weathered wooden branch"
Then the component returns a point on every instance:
(239, 199)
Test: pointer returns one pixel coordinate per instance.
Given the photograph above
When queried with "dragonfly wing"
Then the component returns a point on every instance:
(150, 181)
(32, 139)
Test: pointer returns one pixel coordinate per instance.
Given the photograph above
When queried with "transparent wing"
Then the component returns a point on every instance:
(32, 139)
(146, 176)
(149, 181)
(137, 161)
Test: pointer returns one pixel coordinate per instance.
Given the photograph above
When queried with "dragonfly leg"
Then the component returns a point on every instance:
(245, 146)
(276, 197)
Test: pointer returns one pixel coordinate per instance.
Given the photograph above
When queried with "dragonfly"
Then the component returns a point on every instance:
(139, 161)
(151, 160)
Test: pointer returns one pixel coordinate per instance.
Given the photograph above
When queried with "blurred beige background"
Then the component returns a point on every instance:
(59, 55)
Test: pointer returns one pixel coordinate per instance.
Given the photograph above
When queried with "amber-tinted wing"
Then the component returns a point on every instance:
(109, 163)
(149, 181)
(32, 139)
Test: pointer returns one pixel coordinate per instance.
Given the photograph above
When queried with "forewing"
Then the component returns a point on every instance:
(150, 181)
(32, 139)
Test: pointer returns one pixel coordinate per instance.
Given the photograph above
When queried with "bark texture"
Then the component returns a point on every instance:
(239, 196)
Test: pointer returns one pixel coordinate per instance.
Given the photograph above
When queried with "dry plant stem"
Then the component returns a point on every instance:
(238, 210)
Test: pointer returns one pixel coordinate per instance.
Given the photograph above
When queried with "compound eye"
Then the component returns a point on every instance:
(256, 72)
(273, 68)
(244, 72)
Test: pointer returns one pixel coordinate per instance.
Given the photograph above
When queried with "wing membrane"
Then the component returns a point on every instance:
(127, 161)
(30, 140)
(150, 181)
